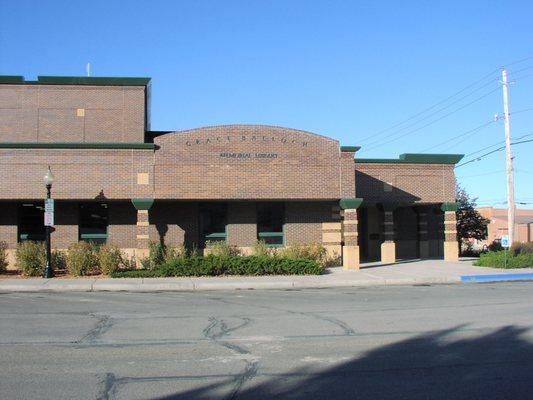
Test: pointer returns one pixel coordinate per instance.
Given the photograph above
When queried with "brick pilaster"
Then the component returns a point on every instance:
(350, 250)
(142, 229)
(388, 247)
(423, 236)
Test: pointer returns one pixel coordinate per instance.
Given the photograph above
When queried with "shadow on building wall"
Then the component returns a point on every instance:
(441, 365)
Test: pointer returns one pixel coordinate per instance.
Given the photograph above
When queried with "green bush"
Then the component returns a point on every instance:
(156, 255)
(312, 251)
(3, 256)
(260, 248)
(110, 258)
(499, 259)
(30, 258)
(522, 248)
(161, 253)
(58, 260)
(82, 259)
(495, 246)
(213, 265)
(222, 249)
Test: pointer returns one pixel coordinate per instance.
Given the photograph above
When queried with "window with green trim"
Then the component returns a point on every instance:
(31, 222)
(270, 220)
(93, 222)
(213, 221)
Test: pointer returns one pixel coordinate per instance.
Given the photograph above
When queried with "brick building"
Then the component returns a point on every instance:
(119, 182)
(497, 226)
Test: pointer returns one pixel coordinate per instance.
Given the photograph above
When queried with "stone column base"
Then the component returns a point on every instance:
(350, 257)
(423, 249)
(451, 251)
(140, 254)
(388, 252)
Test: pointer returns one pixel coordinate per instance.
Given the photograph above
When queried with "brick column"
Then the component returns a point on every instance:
(451, 248)
(142, 229)
(423, 237)
(388, 247)
(350, 250)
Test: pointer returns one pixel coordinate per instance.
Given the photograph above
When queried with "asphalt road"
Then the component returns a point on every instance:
(414, 342)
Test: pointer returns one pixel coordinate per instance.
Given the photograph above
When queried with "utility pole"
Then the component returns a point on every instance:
(509, 158)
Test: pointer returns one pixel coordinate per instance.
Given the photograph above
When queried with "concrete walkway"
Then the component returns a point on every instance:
(371, 274)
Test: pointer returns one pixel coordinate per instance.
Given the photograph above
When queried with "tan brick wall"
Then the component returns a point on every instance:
(412, 183)
(195, 164)
(79, 174)
(8, 223)
(66, 225)
(242, 223)
(122, 228)
(174, 223)
(49, 113)
(347, 175)
(303, 221)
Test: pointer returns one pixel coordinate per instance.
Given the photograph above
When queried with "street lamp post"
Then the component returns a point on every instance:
(48, 180)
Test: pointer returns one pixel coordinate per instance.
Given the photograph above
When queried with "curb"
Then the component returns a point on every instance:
(190, 285)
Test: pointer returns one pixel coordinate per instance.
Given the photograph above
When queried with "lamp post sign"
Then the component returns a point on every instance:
(49, 212)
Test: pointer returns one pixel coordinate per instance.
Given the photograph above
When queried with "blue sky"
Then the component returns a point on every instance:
(345, 69)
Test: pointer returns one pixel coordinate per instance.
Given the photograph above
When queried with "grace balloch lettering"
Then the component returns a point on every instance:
(245, 138)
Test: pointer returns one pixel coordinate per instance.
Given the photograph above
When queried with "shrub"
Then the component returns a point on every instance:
(59, 260)
(522, 248)
(161, 253)
(495, 246)
(261, 249)
(222, 249)
(3, 256)
(156, 255)
(175, 253)
(110, 258)
(30, 258)
(213, 265)
(313, 251)
(504, 259)
(82, 258)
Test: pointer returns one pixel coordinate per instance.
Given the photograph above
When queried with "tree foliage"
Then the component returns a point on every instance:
(470, 224)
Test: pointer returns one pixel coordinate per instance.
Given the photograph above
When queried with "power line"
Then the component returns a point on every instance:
(491, 152)
(431, 114)
(521, 60)
(476, 175)
(467, 133)
(373, 144)
(430, 108)
(496, 144)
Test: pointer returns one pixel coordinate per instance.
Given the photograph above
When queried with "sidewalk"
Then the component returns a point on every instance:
(371, 274)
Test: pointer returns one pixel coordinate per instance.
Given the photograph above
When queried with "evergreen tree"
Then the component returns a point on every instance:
(470, 224)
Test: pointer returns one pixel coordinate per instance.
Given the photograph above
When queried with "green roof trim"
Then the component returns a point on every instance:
(350, 203)
(414, 158)
(78, 80)
(75, 145)
(93, 80)
(142, 203)
(449, 206)
(350, 149)
(11, 79)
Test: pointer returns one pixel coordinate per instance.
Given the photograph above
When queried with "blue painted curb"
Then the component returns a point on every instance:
(497, 277)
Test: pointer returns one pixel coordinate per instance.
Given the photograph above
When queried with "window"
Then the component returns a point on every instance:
(270, 219)
(31, 222)
(213, 220)
(93, 222)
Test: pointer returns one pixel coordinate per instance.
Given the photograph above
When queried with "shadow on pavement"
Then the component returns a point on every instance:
(497, 365)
